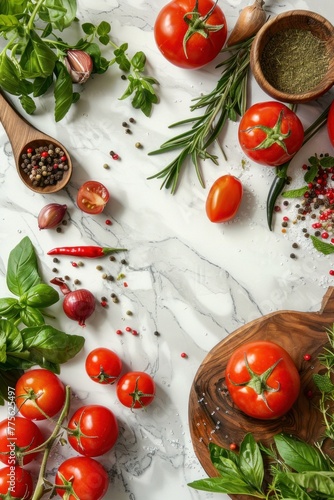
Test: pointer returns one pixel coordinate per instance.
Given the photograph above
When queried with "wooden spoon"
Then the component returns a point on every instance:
(22, 135)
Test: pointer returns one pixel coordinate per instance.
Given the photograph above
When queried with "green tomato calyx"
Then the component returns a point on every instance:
(258, 382)
(274, 135)
(197, 24)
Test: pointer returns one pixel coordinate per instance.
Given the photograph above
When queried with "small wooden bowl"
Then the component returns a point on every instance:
(301, 20)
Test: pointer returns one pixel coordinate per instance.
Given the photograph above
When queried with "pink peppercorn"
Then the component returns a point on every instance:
(108, 222)
(45, 154)
(128, 329)
(119, 332)
(331, 272)
(74, 264)
(307, 357)
(134, 332)
(184, 355)
(285, 218)
(324, 235)
(104, 303)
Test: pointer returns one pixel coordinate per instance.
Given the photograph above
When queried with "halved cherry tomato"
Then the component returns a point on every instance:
(262, 380)
(224, 199)
(330, 124)
(92, 430)
(190, 33)
(92, 197)
(39, 394)
(270, 133)
(103, 365)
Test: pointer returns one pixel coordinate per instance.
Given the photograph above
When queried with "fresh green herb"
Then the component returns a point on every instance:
(33, 58)
(322, 246)
(37, 343)
(315, 164)
(291, 467)
(227, 101)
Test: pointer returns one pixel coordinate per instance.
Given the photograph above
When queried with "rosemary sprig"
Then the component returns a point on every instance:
(227, 101)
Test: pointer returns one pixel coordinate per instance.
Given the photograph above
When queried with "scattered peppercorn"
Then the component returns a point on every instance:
(129, 313)
(124, 124)
(74, 264)
(132, 120)
(156, 333)
(128, 329)
(134, 332)
(104, 303)
(58, 229)
(112, 258)
(307, 357)
(77, 282)
(293, 256)
(108, 222)
(184, 355)
(54, 270)
(99, 268)
(119, 332)
(106, 166)
(55, 260)
(138, 145)
(66, 277)
(123, 261)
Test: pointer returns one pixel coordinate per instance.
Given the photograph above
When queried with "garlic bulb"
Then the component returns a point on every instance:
(250, 20)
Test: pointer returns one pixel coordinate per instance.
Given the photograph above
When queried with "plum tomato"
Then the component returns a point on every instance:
(92, 197)
(136, 389)
(19, 435)
(330, 123)
(224, 199)
(103, 365)
(270, 133)
(262, 380)
(190, 33)
(85, 478)
(92, 430)
(15, 483)
(39, 394)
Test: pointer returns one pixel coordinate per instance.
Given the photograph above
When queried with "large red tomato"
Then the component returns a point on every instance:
(92, 430)
(330, 124)
(270, 133)
(224, 199)
(85, 479)
(190, 33)
(39, 394)
(262, 380)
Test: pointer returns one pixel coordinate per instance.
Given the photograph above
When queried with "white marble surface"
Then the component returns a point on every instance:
(193, 281)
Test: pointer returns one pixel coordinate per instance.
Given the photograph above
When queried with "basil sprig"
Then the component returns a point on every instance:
(32, 60)
(37, 343)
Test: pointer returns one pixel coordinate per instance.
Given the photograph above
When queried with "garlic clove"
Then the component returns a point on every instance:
(51, 215)
(79, 64)
(250, 20)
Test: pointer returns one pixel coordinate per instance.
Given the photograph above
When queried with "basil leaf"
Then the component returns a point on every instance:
(295, 193)
(300, 455)
(41, 85)
(289, 488)
(37, 59)
(227, 484)
(45, 343)
(7, 23)
(251, 462)
(70, 7)
(322, 246)
(28, 104)
(313, 481)
(9, 307)
(218, 455)
(138, 61)
(63, 91)
(323, 382)
(10, 339)
(31, 317)
(22, 269)
(41, 295)
(13, 6)
(10, 78)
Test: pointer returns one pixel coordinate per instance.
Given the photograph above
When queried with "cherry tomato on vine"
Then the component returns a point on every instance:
(136, 389)
(39, 392)
(15, 483)
(262, 380)
(92, 197)
(224, 198)
(103, 365)
(190, 33)
(86, 479)
(92, 430)
(270, 133)
(330, 123)
(17, 436)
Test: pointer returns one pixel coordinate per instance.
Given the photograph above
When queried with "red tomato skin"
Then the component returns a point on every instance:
(99, 428)
(267, 114)
(224, 199)
(92, 197)
(103, 365)
(18, 479)
(127, 385)
(170, 29)
(88, 477)
(330, 124)
(22, 432)
(47, 385)
(262, 355)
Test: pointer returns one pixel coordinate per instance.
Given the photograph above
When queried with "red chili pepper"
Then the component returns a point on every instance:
(85, 251)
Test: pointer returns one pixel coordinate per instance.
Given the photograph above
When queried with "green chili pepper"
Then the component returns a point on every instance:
(281, 171)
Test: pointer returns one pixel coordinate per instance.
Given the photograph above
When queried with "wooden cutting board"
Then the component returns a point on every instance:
(212, 415)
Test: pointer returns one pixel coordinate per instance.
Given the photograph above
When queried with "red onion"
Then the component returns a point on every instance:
(78, 304)
(51, 215)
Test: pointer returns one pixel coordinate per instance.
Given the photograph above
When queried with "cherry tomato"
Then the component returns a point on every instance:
(15, 482)
(87, 479)
(93, 430)
(136, 389)
(92, 197)
(330, 124)
(224, 199)
(39, 393)
(270, 133)
(103, 365)
(184, 44)
(262, 380)
(17, 436)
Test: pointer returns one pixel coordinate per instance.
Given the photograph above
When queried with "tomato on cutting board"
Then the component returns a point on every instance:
(262, 380)
(190, 33)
